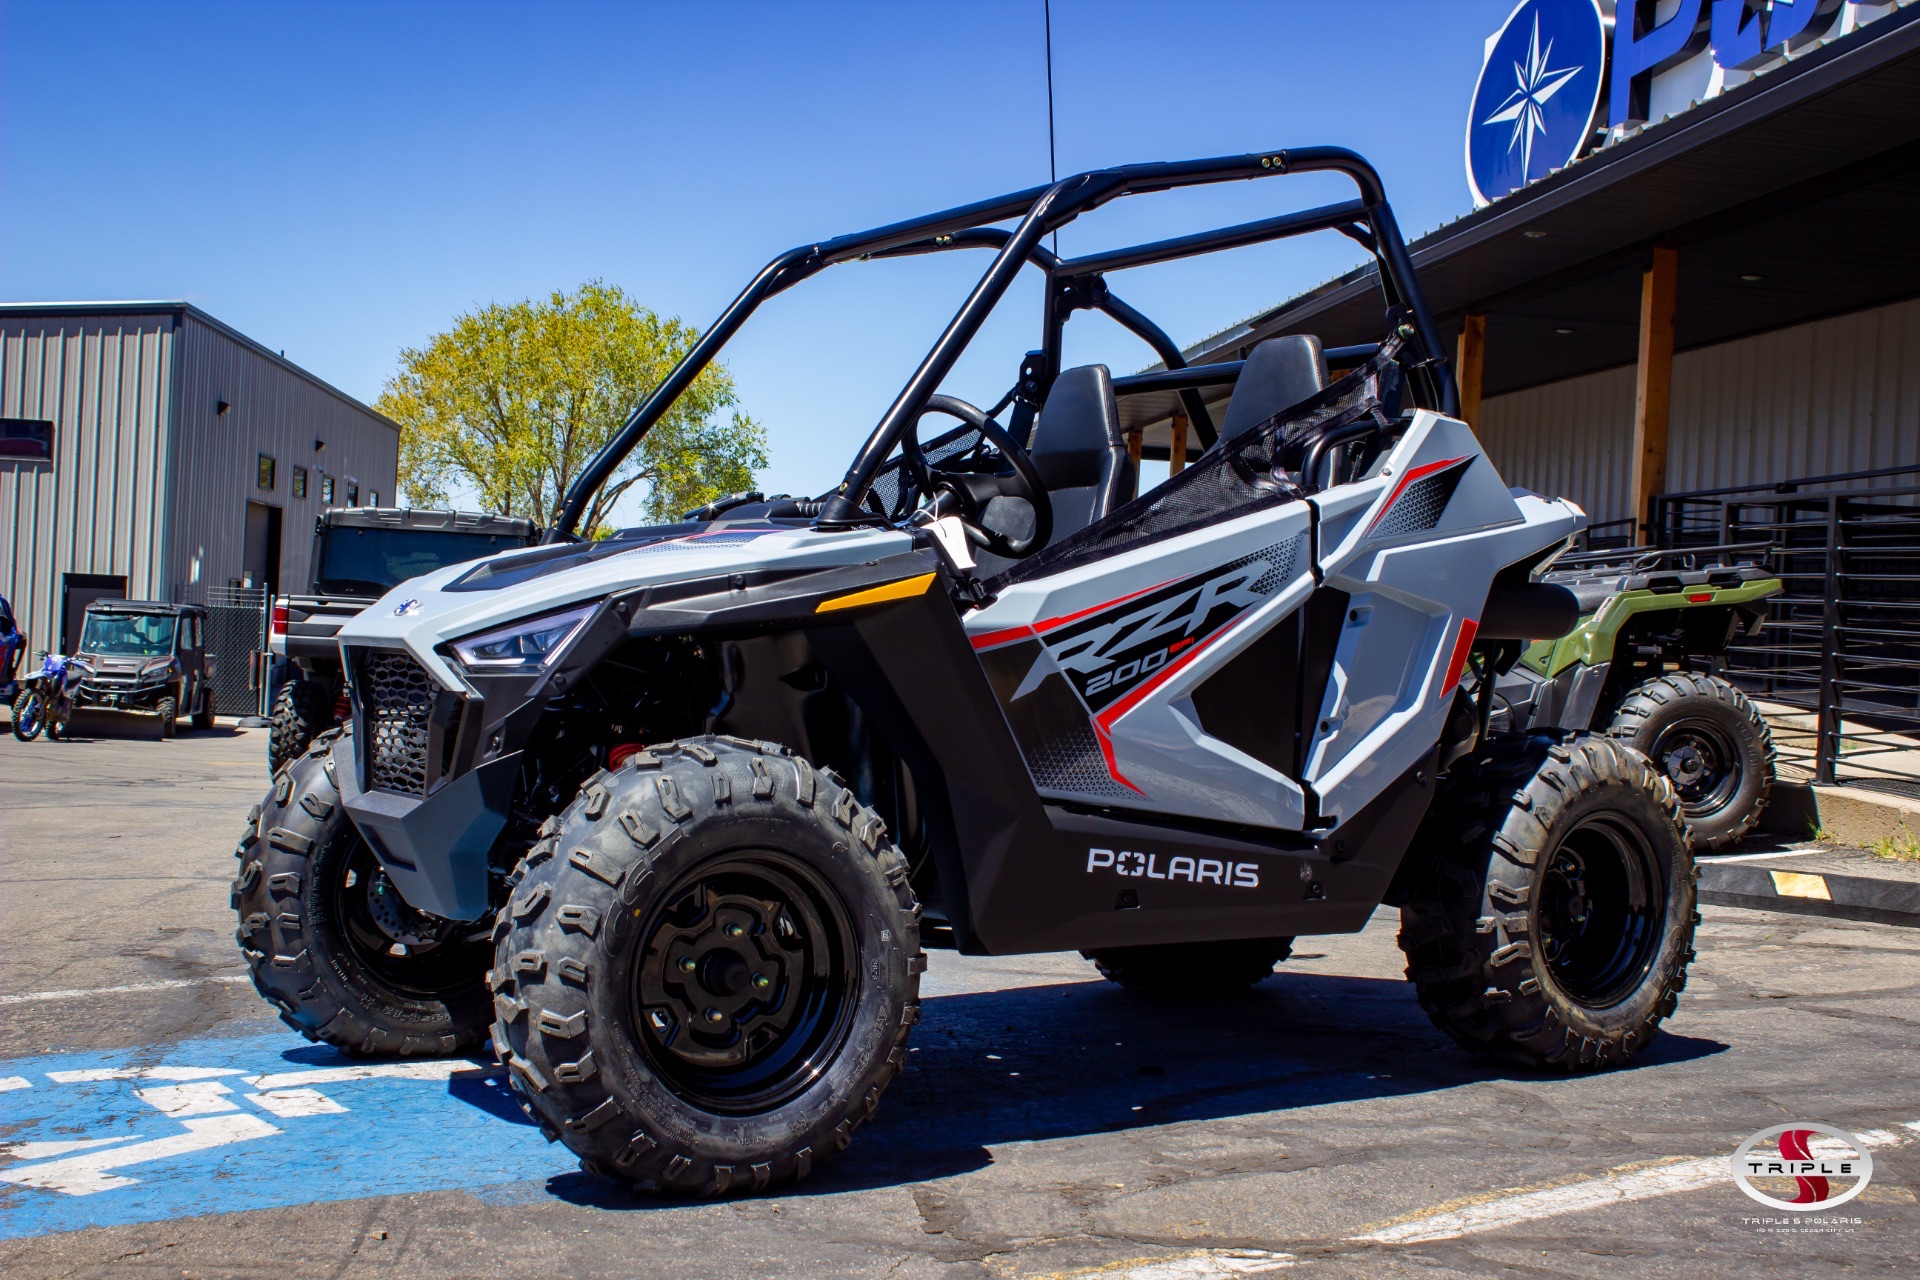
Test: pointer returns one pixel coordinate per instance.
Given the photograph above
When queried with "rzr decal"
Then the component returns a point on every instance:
(1418, 501)
(1092, 666)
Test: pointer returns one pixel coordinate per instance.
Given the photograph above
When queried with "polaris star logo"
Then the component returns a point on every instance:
(1130, 862)
(406, 608)
(1534, 105)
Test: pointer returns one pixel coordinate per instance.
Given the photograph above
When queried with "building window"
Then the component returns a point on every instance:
(264, 476)
(373, 497)
(297, 483)
(326, 490)
(27, 438)
(353, 493)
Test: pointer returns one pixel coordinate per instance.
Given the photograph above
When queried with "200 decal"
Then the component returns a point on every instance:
(1128, 862)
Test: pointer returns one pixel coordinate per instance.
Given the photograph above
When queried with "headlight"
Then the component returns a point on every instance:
(524, 646)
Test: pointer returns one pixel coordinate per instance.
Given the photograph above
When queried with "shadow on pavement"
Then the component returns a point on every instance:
(1075, 1059)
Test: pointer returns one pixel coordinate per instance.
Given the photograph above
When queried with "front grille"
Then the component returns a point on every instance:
(397, 694)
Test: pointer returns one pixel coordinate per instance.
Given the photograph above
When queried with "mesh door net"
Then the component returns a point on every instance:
(1256, 469)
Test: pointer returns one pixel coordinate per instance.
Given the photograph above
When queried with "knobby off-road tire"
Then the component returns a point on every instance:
(203, 716)
(311, 900)
(1192, 968)
(1711, 742)
(168, 709)
(1550, 918)
(29, 715)
(709, 969)
(302, 710)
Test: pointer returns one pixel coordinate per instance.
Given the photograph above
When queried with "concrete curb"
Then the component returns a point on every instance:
(1849, 815)
(1812, 893)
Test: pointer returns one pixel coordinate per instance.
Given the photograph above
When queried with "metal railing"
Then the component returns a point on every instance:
(1842, 643)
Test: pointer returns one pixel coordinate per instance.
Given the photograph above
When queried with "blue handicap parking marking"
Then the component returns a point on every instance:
(213, 1126)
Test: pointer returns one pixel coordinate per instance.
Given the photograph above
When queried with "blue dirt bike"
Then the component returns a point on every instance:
(46, 699)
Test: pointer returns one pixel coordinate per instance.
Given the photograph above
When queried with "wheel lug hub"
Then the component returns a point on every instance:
(762, 981)
(734, 931)
(689, 964)
(715, 1016)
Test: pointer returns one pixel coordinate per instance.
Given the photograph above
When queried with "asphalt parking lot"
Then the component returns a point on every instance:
(155, 1121)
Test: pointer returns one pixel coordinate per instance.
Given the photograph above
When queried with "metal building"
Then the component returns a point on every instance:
(149, 451)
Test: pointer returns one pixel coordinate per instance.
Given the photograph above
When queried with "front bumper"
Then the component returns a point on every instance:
(121, 696)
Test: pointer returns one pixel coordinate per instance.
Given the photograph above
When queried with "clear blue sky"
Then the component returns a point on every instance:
(340, 180)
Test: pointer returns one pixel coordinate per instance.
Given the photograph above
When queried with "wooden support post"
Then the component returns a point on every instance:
(1135, 439)
(1177, 448)
(1653, 385)
(1467, 369)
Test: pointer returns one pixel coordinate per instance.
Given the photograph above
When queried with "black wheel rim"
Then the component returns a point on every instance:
(1601, 906)
(414, 955)
(30, 714)
(745, 979)
(1703, 763)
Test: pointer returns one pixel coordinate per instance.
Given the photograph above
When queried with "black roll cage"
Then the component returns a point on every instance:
(1071, 284)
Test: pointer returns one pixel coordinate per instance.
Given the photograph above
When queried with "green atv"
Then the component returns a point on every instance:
(1643, 666)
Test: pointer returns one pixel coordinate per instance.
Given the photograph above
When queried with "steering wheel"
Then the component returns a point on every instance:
(959, 492)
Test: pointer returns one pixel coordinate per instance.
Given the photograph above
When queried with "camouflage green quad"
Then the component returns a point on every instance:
(1642, 666)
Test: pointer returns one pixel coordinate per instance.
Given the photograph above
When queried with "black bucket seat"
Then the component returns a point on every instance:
(1080, 451)
(1279, 373)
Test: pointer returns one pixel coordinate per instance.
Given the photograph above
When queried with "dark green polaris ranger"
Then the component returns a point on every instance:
(1643, 666)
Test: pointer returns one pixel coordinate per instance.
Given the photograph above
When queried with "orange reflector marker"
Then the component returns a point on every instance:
(900, 590)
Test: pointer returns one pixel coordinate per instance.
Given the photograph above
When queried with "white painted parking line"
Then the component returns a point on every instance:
(439, 1069)
(202, 1098)
(48, 1150)
(1207, 1264)
(1623, 1186)
(14, 1082)
(141, 1073)
(167, 984)
(290, 1104)
(85, 1174)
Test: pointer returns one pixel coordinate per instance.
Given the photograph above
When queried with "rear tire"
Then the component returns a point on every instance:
(29, 715)
(1193, 968)
(1550, 919)
(707, 974)
(203, 718)
(1711, 742)
(302, 710)
(312, 902)
(169, 713)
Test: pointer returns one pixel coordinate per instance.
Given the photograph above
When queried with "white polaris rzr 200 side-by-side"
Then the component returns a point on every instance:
(673, 813)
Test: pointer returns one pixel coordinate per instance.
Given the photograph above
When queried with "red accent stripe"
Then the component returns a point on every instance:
(988, 639)
(1104, 722)
(1409, 478)
(1078, 614)
(1113, 768)
(1458, 663)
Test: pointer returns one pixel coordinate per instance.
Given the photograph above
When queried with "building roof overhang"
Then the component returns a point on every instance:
(1807, 177)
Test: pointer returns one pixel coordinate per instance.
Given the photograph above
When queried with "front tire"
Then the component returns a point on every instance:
(302, 710)
(29, 715)
(707, 974)
(1192, 968)
(1550, 920)
(1713, 745)
(169, 712)
(333, 946)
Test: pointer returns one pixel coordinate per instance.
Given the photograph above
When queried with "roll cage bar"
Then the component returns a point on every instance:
(1071, 284)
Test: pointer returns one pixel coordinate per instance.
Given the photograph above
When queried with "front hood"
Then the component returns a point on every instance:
(424, 613)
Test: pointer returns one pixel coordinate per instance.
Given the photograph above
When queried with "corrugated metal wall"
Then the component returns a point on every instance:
(277, 411)
(105, 382)
(149, 480)
(1841, 394)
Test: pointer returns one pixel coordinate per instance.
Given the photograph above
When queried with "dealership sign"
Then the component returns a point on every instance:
(1563, 76)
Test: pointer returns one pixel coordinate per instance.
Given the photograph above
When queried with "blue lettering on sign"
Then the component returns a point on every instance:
(1533, 107)
(1742, 33)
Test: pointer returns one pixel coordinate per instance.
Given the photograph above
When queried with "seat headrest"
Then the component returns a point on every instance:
(1279, 373)
(1078, 429)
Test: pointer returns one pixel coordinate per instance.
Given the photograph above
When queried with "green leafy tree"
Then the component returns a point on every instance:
(516, 398)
